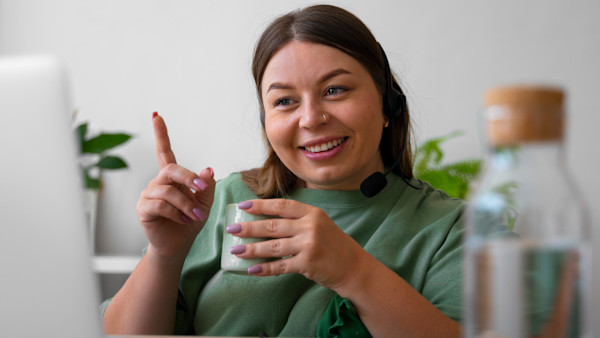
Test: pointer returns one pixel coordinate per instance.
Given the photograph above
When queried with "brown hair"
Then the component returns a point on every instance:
(340, 29)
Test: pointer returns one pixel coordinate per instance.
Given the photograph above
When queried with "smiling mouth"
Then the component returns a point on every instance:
(325, 146)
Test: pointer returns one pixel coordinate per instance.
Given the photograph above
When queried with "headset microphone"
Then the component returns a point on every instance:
(394, 105)
(373, 184)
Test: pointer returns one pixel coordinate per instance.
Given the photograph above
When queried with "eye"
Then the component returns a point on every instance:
(283, 102)
(333, 91)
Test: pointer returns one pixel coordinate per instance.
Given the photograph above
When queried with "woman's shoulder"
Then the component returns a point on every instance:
(423, 202)
(233, 185)
(425, 195)
(232, 179)
(438, 195)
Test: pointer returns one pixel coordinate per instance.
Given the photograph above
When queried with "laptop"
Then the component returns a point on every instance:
(47, 287)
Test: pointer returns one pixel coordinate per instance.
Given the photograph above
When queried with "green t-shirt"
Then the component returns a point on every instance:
(414, 232)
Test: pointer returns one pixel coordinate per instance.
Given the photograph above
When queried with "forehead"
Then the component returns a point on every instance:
(305, 61)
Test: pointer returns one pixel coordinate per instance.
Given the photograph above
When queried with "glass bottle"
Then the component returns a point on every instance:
(526, 244)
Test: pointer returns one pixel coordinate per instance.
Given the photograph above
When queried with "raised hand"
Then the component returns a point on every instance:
(175, 205)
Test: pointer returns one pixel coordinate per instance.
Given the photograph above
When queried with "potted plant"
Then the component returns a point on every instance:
(94, 159)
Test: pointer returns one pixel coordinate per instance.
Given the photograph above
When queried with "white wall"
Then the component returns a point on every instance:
(190, 61)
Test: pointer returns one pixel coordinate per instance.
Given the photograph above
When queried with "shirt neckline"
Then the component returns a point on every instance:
(347, 198)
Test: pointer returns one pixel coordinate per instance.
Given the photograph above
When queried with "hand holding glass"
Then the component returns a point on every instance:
(229, 261)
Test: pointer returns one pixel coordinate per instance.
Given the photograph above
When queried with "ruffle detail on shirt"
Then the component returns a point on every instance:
(341, 320)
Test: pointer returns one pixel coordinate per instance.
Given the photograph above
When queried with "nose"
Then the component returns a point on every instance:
(311, 114)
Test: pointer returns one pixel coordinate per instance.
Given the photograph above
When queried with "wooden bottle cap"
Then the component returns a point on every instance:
(521, 114)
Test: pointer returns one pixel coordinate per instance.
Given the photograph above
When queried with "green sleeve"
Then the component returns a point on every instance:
(103, 307)
(443, 280)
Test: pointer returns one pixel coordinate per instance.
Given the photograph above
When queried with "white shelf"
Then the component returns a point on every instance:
(114, 264)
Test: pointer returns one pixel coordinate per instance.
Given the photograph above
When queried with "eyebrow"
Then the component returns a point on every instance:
(324, 78)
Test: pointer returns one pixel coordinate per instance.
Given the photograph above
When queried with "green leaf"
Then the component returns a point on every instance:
(430, 154)
(454, 185)
(81, 131)
(103, 142)
(111, 162)
(453, 178)
(467, 169)
(91, 183)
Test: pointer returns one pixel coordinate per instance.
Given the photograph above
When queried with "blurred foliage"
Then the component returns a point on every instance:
(453, 178)
(94, 151)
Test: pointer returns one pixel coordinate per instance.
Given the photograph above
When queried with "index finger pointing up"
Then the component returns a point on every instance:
(164, 154)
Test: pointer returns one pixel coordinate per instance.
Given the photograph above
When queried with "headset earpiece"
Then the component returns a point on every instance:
(394, 101)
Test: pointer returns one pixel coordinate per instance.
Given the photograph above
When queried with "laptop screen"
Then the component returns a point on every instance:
(47, 288)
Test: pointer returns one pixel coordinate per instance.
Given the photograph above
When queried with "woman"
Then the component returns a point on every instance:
(386, 266)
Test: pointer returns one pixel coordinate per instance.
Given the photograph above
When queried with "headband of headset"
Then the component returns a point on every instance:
(394, 101)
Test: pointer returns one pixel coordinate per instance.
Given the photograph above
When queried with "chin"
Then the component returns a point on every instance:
(329, 183)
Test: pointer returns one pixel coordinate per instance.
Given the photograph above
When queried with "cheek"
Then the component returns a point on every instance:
(277, 133)
(365, 116)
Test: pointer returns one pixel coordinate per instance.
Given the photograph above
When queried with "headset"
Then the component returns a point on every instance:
(394, 108)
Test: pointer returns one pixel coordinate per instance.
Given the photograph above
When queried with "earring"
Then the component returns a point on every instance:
(386, 124)
(324, 118)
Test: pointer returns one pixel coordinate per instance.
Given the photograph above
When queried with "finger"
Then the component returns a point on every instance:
(206, 195)
(177, 199)
(276, 207)
(277, 248)
(164, 154)
(175, 174)
(150, 210)
(274, 268)
(269, 228)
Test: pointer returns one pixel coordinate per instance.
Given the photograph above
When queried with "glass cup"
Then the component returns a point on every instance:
(229, 261)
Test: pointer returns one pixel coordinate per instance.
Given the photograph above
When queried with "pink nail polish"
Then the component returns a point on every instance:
(186, 219)
(245, 205)
(234, 228)
(238, 249)
(200, 184)
(199, 214)
(254, 269)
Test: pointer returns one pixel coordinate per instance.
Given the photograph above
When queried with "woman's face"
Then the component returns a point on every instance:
(305, 80)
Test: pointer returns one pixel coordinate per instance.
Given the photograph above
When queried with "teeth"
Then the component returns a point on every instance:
(325, 146)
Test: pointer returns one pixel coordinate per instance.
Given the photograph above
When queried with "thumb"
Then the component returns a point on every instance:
(207, 195)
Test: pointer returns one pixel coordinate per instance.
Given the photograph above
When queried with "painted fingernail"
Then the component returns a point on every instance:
(199, 214)
(234, 228)
(200, 184)
(238, 249)
(186, 219)
(154, 115)
(212, 172)
(254, 269)
(245, 205)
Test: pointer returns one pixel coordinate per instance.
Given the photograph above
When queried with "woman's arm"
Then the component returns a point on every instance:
(146, 303)
(390, 307)
(172, 210)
